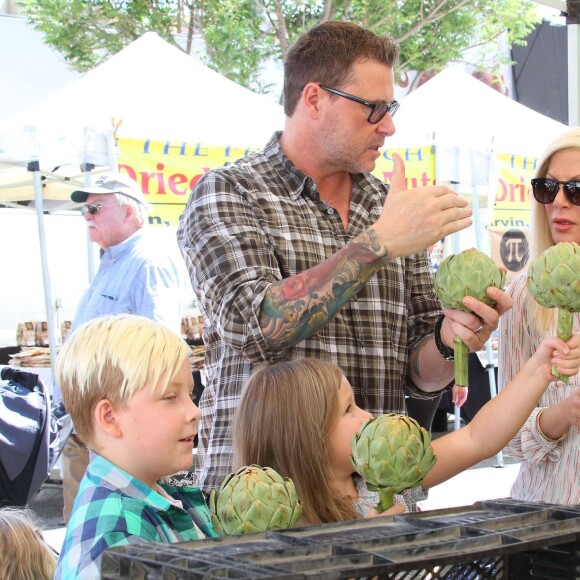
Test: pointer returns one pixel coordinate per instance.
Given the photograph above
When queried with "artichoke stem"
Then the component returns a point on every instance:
(386, 501)
(460, 352)
(565, 333)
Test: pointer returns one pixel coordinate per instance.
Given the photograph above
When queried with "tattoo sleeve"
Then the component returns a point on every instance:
(295, 308)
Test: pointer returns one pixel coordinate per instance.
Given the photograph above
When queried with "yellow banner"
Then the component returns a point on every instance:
(511, 216)
(512, 201)
(167, 170)
(419, 166)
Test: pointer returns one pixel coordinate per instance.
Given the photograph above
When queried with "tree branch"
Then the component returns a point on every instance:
(433, 16)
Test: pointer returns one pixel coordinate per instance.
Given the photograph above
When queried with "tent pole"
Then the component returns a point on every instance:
(479, 170)
(86, 168)
(490, 367)
(573, 72)
(34, 167)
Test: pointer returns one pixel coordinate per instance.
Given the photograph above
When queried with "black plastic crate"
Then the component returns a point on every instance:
(490, 539)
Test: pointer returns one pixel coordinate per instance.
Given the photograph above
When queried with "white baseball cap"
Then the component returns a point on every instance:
(111, 183)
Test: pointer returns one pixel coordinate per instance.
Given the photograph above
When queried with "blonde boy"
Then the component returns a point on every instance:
(126, 382)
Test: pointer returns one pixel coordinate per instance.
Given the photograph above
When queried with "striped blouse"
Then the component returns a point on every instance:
(548, 471)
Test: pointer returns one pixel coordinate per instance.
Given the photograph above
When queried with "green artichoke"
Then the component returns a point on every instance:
(554, 282)
(391, 453)
(254, 499)
(469, 273)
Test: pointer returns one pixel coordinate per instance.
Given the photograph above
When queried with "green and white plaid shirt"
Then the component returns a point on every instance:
(113, 508)
(258, 221)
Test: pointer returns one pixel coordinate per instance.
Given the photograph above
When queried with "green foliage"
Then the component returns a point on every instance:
(86, 32)
(241, 35)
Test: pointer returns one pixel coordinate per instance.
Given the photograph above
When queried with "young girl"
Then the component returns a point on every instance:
(299, 417)
(23, 552)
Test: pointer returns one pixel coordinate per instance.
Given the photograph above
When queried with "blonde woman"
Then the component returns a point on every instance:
(548, 445)
(23, 552)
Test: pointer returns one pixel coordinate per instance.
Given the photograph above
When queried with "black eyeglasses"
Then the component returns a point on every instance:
(378, 110)
(92, 208)
(545, 190)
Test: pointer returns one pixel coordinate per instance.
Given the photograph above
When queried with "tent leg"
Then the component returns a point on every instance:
(34, 167)
(86, 168)
(573, 73)
(490, 365)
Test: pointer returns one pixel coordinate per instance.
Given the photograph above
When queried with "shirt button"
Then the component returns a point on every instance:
(330, 211)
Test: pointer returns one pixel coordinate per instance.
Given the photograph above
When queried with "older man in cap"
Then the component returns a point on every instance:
(137, 275)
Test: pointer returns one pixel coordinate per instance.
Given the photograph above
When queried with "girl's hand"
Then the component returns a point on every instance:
(398, 508)
(459, 395)
(568, 363)
(565, 356)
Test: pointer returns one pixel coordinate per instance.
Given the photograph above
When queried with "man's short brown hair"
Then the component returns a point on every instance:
(325, 54)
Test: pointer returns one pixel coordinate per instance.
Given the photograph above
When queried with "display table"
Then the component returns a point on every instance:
(491, 539)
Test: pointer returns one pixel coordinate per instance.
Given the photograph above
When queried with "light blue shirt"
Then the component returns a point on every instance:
(141, 275)
(137, 276)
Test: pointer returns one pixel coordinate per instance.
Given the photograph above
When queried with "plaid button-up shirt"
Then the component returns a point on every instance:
(258, 221)
(114, 509)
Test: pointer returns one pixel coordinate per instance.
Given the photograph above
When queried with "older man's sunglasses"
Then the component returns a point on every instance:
(546, 189)
(378, 110)
(93, 208)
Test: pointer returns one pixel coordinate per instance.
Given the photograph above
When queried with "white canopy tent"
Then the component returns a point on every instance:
(151, 90)
(467, 122)
(455, 109)
(156, 91)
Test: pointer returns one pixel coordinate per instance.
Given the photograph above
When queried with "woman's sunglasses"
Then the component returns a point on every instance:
(545, 190)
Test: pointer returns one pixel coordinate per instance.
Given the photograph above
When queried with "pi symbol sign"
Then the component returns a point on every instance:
(514, 250)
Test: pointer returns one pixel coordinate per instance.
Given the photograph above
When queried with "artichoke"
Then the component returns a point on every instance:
(554, 282)
(469, 273)
(391, 453)
(254, 499)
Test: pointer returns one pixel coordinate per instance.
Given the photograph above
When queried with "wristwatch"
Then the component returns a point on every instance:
(446, 352)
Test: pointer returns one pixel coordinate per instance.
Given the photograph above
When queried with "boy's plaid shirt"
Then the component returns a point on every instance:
(114, 509)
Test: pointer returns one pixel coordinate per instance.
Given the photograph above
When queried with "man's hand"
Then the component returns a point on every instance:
(414, 219)
(475, 328)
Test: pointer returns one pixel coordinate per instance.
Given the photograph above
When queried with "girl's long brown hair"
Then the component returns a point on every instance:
(282, 422)
(23, 552)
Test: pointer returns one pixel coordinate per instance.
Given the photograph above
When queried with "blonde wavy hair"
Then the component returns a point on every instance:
(285, 414)
(23, 552)
(540, 233)
(112, 357)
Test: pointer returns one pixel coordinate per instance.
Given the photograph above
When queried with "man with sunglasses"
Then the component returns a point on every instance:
(137, 275)
(297, 251)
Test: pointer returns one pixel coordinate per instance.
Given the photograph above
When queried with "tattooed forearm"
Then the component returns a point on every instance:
(382, 252)
(295, 308)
